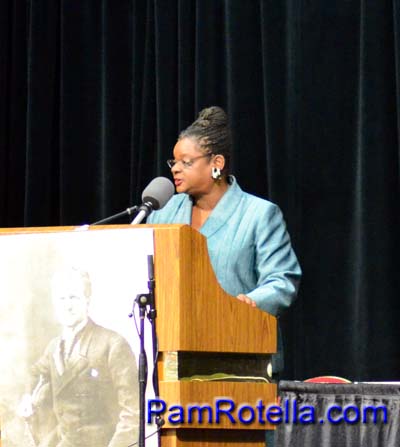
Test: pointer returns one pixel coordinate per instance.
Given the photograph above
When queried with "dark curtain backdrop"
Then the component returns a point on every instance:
(94, 92)
(352, 404)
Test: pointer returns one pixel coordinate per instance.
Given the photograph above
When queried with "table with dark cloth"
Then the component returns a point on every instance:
(350, 399)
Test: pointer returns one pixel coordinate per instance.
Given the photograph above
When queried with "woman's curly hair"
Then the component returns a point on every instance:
(212, 133)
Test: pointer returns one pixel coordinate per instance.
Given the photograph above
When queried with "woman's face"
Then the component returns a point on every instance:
(192, 170)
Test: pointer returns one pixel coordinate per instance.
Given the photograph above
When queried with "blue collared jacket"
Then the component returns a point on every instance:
(248, 244)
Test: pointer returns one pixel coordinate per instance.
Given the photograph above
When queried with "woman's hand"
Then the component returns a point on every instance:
(246, 300)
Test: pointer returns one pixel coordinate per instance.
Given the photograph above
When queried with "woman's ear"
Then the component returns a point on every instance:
(219, 161)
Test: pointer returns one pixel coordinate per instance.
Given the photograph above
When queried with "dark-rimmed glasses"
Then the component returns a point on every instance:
(186, 163)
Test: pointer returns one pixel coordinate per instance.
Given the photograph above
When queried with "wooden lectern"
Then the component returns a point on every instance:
(201, 331)
(197, 318)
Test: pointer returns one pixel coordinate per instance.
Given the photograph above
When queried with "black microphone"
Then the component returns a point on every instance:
(154, 197)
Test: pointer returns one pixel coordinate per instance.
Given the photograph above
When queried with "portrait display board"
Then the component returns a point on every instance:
(115, 263)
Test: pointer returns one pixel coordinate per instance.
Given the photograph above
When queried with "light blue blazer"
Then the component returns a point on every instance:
(248, 244)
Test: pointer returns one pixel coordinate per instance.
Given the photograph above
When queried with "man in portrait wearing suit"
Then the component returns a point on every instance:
(87, 376)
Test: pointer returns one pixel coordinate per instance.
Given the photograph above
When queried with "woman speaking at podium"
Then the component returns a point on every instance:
(247, 241)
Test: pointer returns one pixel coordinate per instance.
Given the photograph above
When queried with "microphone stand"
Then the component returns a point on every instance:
(147, 308)
(152, 315)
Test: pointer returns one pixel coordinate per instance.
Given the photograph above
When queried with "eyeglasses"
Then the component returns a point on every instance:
(186, 163)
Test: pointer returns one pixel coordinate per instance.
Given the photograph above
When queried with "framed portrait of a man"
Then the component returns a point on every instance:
(69, 346)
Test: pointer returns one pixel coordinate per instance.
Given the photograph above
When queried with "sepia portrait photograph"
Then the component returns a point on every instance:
(69, 344)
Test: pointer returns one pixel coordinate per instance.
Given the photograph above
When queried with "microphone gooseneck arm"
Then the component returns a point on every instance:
(155, 196)
(127, 212)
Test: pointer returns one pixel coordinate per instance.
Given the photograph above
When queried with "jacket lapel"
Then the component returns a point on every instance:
(184, 211)
(77, 363)
(220, 214)
(224, 209)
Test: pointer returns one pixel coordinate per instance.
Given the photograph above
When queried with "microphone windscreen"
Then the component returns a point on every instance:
(158, 192)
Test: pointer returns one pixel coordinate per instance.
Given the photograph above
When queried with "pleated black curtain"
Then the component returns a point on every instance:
(338, 415)
(94, 92)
